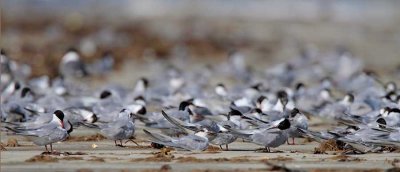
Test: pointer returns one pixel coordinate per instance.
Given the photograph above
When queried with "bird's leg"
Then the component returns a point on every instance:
(220, 146)
(132, 141)
(267, 149)
(119, 145)
(46, 148)
(51, 148)
(293, 141)
(226, 146)
(287, 141)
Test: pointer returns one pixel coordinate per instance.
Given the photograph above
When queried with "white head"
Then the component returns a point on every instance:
(88, 116)
(141, 85)
(220, 90)
(384, 111)
(390, 86)
(325, 94)
(348, 99)
(70, 56)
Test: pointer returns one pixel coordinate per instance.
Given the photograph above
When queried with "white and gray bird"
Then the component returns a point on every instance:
(121, 128)
(46, 134)
(273, 136)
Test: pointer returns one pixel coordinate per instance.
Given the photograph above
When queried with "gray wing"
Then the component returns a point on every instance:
(192, 142)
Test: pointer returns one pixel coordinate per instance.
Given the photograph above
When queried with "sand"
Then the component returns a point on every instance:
(101, 155)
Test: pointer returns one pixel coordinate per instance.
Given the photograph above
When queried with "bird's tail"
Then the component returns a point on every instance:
(159, 138)
(180, 124)
(240, 133)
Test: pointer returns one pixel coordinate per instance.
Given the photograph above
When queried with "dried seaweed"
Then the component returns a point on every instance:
(12, 142)
(329, 145)
(95, 137)
(42, 158)
(345, 158)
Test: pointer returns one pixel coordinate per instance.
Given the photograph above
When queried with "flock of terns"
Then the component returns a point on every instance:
(191, 110)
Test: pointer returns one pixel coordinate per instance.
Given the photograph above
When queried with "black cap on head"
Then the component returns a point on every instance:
(145, 81)
(257, 110)
(351, 97)
(221, 85)
(17, 86)
(234, 112)
(72, 49)
(294, 112)
(257, 86)
(59, 114)
(387, 109)
(122, 110)
(95, 118)
(25, 91)
(142, 111)
(285, 124)
(105, 94)
(139, 98)
(381, 122)
(3, 52)
(260, 99)
(183, 105)
(282, 94)
(299, 85)
(354, 127)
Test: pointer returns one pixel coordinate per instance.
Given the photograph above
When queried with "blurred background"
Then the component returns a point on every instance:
(38, 32)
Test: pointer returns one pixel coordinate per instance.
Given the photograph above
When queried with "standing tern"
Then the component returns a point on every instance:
(47, 134)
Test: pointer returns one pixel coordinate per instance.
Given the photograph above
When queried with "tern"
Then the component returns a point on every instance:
(47, 134)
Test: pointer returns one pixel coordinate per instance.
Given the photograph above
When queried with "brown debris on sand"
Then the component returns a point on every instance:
(12, 142)
(346, 158)
(165, 155)
(84, 170)
(63, 153)
(42, 158)
(390, 149)
(95, 137)
(96, 159)
(329, 145)
(395, 163)
(165, 167)
(2, 147)
(277, 167)
(307, 140)
(240, 159)
(139, 147)
(281, 158)
(230, 170)
(198, 160)
(213, 149)
(71, 158)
